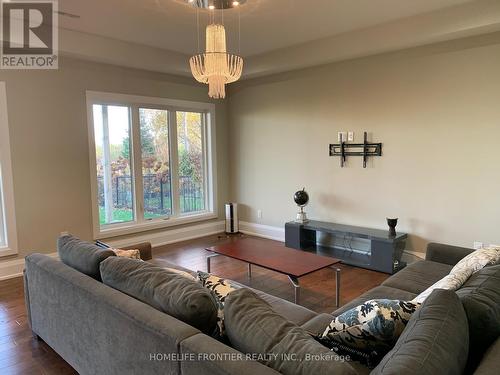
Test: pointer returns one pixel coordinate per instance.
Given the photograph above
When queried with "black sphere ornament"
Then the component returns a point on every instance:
(301, 198)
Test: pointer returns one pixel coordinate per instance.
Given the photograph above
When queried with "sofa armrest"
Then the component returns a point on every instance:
(447, 254)
(144, 248)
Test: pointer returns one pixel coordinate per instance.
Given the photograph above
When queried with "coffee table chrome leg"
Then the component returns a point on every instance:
(208, 260)
(249, 271)
(337, 287)
(296, 287)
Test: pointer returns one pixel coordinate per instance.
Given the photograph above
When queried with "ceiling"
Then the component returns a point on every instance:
(266, 24)
(276, 35)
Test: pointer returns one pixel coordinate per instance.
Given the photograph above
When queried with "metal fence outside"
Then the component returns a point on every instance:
(157, 194)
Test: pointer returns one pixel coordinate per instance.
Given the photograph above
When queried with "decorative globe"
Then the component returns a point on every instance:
(301, 198)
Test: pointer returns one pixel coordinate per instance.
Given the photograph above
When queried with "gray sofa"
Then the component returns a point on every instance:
(100, 330)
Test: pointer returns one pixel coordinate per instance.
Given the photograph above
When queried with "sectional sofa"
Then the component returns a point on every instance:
(100, 330)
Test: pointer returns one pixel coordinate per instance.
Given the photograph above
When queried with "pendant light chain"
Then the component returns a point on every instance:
(239, 31)
(198, 28)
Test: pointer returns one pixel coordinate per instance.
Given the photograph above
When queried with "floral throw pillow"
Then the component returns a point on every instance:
(478, 260)
(370, 329)
(459, 274)
(220, 288)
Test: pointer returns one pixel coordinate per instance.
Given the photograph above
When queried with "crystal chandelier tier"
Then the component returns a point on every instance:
(216, 67)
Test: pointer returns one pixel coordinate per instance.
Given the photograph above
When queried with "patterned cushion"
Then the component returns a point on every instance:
(220, 288)
(371, 328)
(132, 254)
(459, 274)
(478, 260)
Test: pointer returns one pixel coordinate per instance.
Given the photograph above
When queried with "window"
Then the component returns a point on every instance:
(151, 162)
(8, 239)
(3, 229)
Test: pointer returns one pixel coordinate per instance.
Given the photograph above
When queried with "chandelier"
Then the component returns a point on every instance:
(216, 67)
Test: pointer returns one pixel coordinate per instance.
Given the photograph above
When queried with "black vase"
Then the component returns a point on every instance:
(392, 226)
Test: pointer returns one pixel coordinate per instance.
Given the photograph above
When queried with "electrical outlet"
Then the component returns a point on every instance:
(478, 245)
(350, 136)
(259, 214)
(342, 136)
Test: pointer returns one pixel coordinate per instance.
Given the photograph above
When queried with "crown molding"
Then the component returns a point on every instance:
(100, 49)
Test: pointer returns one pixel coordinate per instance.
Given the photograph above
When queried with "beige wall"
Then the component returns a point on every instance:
(49, 142)
(437, 111)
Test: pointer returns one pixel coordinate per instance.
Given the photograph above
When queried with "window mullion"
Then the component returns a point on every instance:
(174, 162)
(136, 152)
(207, 178)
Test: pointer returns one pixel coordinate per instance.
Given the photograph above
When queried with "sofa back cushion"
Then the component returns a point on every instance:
(82, 255)
(435, 340)
(480, 296)
(253, 327)
(167, 291)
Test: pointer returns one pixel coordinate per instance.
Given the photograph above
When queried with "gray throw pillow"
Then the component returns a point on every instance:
(82, 255)
(253, 327)
(480, 296)
(167, 291)
(435, 340)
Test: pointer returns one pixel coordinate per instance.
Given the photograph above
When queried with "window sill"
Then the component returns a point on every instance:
(5, 252)
(130, 228)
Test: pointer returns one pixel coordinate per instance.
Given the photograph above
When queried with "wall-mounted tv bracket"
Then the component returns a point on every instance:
(365, 149)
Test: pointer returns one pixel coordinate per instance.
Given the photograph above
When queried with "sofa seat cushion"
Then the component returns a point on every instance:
(480, 296)
(254, 327)
(81, 255)
(379, 292)
(170, 292)
(491, 360)
(418, 276)
(435, 341)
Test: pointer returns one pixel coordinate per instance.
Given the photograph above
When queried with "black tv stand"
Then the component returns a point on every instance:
(373, 249)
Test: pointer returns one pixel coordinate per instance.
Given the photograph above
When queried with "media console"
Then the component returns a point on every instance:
(369, 248)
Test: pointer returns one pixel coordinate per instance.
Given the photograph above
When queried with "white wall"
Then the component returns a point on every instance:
(436, 109)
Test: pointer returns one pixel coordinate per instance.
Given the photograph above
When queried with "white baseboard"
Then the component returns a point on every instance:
(169, 236)
(264, 231)
(14, 268)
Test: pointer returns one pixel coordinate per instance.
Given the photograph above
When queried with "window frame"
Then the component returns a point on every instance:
(7, 205)
(140, 224)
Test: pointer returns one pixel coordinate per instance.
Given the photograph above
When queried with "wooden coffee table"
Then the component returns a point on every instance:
(276, 257)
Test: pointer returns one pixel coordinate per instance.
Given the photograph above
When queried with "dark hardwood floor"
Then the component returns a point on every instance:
(20, 353)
